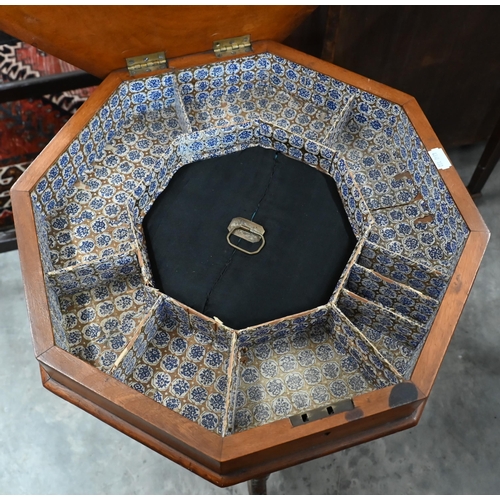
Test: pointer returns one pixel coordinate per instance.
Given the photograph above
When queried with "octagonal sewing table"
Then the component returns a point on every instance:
(234, 399)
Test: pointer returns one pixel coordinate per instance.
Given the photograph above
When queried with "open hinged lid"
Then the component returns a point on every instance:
(98, 39)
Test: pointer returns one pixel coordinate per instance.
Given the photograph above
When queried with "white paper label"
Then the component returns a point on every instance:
(439, 158)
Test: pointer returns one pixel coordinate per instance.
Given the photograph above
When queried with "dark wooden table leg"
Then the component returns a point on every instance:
(489, 159)
(258, 486)
(8, 240)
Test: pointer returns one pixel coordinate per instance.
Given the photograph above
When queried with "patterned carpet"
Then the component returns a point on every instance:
(27, 126)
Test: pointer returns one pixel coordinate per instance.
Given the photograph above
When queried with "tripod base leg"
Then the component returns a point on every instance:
(258, 486)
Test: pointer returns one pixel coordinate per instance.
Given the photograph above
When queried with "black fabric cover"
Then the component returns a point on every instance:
(308, 237)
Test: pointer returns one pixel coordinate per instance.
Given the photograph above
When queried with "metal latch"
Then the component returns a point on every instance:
(146, 63)
(319, 413)
(232, 46)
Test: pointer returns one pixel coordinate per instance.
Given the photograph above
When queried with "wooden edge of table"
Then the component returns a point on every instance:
(128, 428)
(317, 446)
(281, 435)
(450, 176)
(140, 411)
(223, 456)
(33, 279)
(453, 303)
(244, 467)
(446, 320)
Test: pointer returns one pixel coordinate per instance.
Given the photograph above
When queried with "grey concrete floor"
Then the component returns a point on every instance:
(48, 446)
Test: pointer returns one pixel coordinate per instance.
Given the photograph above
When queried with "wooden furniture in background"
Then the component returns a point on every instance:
(487, 162)
(447, 57)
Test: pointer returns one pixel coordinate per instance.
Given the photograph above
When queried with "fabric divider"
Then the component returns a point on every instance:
(139, 242)
(88, 275)
(345, 273)
(340, 122)
(395, 352)
(400, 268)
(394, 296)
(362, 312)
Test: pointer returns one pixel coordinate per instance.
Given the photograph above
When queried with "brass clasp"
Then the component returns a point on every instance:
(248, 231)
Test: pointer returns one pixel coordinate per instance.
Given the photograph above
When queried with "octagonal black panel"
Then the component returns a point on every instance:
(308, 237)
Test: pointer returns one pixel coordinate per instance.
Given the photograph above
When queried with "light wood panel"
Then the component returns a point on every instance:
(98, 38)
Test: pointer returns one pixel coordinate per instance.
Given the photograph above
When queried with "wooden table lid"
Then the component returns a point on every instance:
(99, 38)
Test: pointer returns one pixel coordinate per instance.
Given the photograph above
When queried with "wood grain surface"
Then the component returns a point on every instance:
(98, 39)
(446, 56)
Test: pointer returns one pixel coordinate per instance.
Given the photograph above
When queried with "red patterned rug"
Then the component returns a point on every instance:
(27, 126)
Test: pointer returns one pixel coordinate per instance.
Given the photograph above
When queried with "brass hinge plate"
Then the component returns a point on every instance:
(146, 63)
(232, 46)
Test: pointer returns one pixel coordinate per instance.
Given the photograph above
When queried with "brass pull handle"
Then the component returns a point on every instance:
(247, 230)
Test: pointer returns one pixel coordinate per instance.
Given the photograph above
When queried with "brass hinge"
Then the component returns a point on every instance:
(232, 46)
(146, 63)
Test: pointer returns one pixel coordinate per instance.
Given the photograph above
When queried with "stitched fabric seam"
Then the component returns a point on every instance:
(228, 263)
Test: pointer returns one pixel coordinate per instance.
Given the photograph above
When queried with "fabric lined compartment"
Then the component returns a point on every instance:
(308, 237)
(181, 360)
(302, 363)
(362, 312)
(397, 339)
(87, 228)
(392, 295)
(100, 317)
(400, 268)
(413, 229)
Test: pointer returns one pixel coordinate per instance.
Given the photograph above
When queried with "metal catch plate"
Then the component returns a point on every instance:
(232, 46)
(320, 413)
(146, 63)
